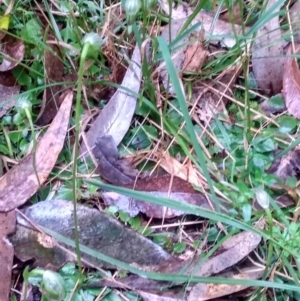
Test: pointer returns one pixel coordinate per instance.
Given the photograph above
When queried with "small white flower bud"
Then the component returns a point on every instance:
(132, 7)
(149, 4)
(262, 197)
(53, 286)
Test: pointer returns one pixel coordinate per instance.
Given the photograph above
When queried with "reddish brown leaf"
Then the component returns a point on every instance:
(291, 85)
(163, 186)
(13, 53)
(7, 226)
(54, 69)
(21, 182)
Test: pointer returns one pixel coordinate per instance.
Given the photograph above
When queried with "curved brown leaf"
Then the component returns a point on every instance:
(13, 53)
(21, 182)
(291, 85)
(110, 167)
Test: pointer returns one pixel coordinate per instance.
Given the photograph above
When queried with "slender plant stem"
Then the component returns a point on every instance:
(28, 115)
(77, 128)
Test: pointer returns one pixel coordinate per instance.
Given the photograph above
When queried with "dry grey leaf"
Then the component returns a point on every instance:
(208, 291)
(116, 116)
(110, 167)
(291, 84)
(21, 182)
(268, 55)
(98, 231)
(7, 226)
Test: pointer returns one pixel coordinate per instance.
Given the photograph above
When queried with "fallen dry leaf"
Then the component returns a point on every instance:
(110, 167)
(54, 69)
(233, 250)
(185, 172)
(98, 231)
(267, 54)
(205, 291)
(115, 118)
(195, 55)
(291, 85)
(21, 182)
(208, 291)
(13, 53)
(163, 186)
(7, 226)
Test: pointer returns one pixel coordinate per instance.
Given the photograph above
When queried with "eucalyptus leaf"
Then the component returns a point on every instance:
(115, 118)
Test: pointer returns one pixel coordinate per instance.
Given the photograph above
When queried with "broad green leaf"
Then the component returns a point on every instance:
(287, 124)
